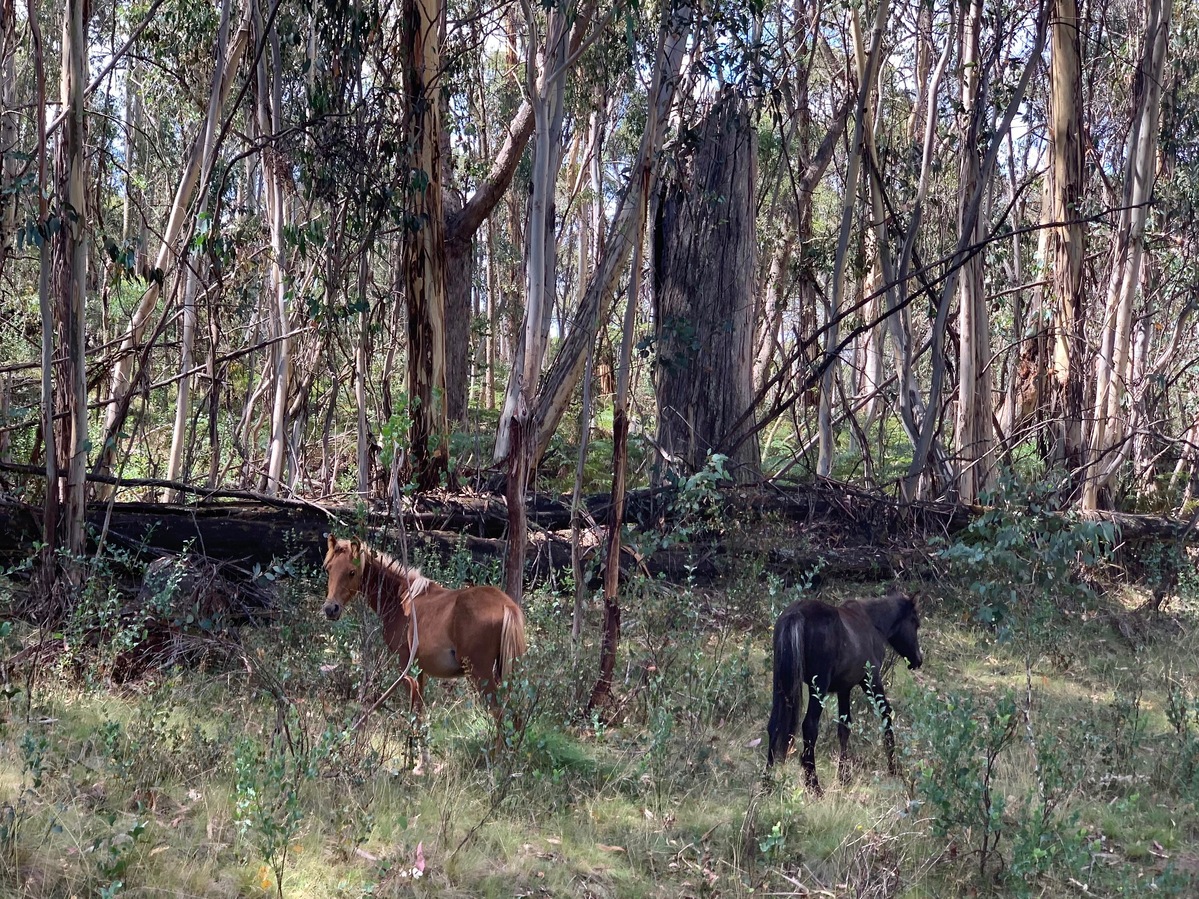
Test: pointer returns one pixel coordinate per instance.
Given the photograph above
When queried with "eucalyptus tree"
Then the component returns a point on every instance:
(628, 221)
(973, 434)
(868, 72)
(227, 55)
(206, 146)
(1109, 442)
(70, 261)
(674, 34)
(9, 120)
(1067, 236)
(705, 248)
(268, 80)
(545, 81)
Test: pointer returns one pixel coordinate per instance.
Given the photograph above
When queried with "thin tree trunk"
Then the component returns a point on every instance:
(71, 274)
(8, 126)
(827, 446)
(628, 221)
(1068, 240)
(228, 59)
(547, 92)
(590, 219)
(923, 451)
(973, 432)
(50, 511)
(270, 109)
(671, 38)
(610, 638)
(175, 460)
(576, 507)
(1107, 440)
(362, 354)
(424, 249)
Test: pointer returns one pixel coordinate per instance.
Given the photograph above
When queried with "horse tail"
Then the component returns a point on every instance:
(512, 639)
(788, 682)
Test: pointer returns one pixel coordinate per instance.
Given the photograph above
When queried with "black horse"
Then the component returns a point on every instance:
(831, 650)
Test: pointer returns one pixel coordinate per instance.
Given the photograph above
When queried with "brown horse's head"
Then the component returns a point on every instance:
(343, 564)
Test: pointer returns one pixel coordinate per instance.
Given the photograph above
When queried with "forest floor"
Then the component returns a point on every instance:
(1058, 757)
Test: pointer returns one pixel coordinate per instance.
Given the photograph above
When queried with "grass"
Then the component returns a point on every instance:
(188, 782)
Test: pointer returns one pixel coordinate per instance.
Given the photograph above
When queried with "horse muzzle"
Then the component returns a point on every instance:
(915, 663)
(332, 610)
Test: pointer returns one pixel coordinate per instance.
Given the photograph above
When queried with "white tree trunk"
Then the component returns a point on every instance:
(74, 274)
(179, 433)
(228, 59)
(270, 109)
(628, 221)
(974, 435)
(1108, 447)
(824, 414)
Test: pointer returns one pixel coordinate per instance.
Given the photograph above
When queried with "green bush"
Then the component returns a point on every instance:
(1022, 557)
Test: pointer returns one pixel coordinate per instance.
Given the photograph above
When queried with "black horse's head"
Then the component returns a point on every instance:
(905, 634)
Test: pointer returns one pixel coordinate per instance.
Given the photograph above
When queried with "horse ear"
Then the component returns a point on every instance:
(356, 545)
(332, 541)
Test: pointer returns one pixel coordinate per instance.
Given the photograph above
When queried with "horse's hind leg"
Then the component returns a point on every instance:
(811, 728)
(844, 719)
(874, 690)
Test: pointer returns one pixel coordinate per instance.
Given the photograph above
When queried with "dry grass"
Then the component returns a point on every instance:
(139, 787)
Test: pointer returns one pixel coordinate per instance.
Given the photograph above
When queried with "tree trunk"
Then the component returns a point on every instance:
(424, 248)
(362, 357)
(50, 510)
(227, 62)
(610, 635)
(973, 433)
(1107, 444)
(628, 221)
(1067, 240)
(270, 110)
(8, 126)
(175, 461)
(547, 92)
(705, 245)
(459, 286)
(969, 215)
(824, 463)
(70, 272)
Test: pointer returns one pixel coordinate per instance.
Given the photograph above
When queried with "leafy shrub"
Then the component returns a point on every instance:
(1022, 557)
(1012, 832)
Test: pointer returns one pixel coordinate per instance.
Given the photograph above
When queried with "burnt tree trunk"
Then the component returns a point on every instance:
(459, 279)
(705, 246)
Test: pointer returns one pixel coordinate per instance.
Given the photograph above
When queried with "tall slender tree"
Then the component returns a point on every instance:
(973, 432)
(1108, 443)
(1067, 238)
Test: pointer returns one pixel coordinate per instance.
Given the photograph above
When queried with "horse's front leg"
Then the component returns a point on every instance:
(416, 700)
(874, 689)
(422, 729)
(844, 719)
(811, 727)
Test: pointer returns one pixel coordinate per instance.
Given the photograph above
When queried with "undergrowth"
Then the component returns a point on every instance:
(1029, 766)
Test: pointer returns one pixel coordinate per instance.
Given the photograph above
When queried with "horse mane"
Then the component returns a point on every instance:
(410, 581)
(887, 611)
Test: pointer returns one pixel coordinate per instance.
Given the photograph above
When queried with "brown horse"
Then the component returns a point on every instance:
(475, 631)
